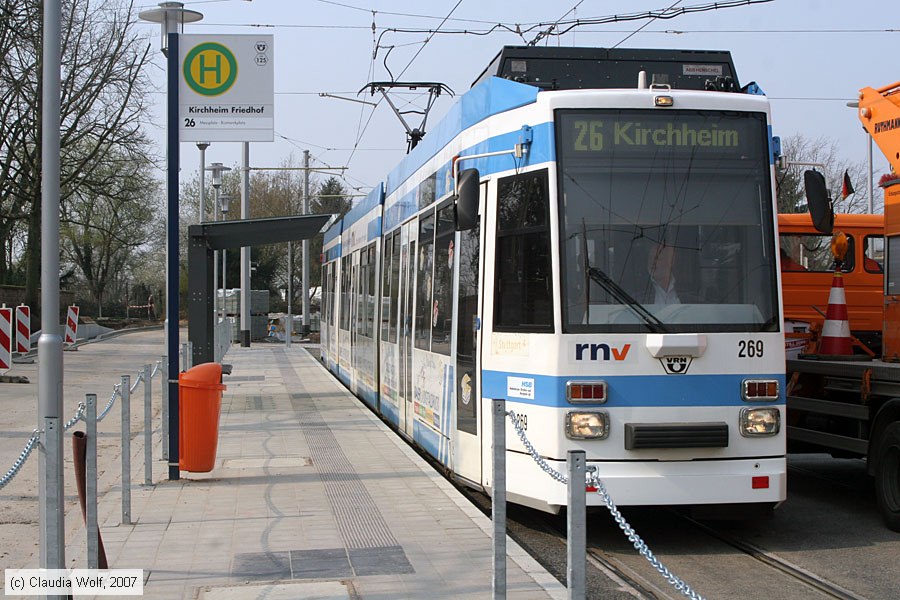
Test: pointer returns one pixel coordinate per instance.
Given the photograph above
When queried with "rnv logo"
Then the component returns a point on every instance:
(600, 352)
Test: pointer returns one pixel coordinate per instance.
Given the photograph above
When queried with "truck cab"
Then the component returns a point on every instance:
(807, 271)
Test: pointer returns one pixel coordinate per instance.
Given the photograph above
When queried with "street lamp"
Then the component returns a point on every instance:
(201, 209)
(217, 169)
(871, 182)
(225, 200)
(171, 16)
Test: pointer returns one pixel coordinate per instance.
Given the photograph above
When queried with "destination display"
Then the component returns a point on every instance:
(227, 91)
(678, 133)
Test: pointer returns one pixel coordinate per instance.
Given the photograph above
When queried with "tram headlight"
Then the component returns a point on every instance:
(592, 425)
(760, 422)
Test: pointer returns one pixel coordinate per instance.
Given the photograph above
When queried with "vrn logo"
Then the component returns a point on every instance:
(601, 352)
(675, 365)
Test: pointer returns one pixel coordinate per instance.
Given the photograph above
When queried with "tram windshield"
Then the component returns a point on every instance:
(666, 221)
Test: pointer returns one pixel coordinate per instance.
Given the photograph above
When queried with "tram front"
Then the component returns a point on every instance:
(669, 360)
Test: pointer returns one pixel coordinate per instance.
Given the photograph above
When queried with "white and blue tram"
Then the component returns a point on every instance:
(590, 235)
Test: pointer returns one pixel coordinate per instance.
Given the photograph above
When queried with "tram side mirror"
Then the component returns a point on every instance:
(818, 201)
(467, 193)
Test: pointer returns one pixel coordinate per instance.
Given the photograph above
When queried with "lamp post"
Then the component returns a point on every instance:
(172, 16)
(225, 201)
(217, 169)
(871, 182)
(201, 209)
(51, 481)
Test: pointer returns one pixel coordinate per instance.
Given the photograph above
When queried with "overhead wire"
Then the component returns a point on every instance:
(542, 34)
(411, 61)
(633, 33)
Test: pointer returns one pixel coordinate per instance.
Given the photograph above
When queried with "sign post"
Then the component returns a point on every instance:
(221, 88)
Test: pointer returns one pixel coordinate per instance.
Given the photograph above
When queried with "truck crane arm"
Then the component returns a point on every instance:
(879, 112)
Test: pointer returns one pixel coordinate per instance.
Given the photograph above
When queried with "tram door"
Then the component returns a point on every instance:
(468, 364)
(405, 341)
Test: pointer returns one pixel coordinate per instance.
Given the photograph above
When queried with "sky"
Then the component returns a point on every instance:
(810, 57)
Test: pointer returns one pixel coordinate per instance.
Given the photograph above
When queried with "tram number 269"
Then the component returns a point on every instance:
(523, 420)
(750, 348)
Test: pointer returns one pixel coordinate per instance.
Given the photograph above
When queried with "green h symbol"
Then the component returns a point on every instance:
(217, 69)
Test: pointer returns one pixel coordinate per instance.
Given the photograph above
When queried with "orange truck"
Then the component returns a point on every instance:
(807, 272)
(843, 405)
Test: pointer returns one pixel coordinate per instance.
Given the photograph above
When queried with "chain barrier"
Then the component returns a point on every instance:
(14, 470)
(137, 381)
(78, 416)
(593, 481)
(117, 391)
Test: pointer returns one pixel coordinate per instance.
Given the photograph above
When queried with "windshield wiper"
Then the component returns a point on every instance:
(623, 297)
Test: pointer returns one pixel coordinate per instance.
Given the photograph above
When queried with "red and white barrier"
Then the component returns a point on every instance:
(71, 325)
(6, 338)
(23, 329)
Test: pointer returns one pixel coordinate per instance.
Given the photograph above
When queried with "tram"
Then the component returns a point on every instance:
(589, 234)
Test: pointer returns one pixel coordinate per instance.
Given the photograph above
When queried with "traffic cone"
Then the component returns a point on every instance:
(836, 330)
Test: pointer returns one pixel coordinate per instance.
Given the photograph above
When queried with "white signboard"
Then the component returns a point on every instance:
(227, 89)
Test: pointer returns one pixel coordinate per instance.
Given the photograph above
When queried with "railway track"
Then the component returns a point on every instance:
(715, 563)
(784, 578)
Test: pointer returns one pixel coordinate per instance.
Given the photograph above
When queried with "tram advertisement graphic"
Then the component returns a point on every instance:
(432, 389)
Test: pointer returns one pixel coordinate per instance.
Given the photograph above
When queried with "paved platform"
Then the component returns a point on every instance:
(312, 496)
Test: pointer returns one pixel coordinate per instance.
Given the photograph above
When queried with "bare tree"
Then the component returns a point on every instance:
(102, 232)
(822, 150)
(103, 101)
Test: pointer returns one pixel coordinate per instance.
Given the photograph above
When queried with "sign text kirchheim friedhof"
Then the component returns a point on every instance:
(227, 91)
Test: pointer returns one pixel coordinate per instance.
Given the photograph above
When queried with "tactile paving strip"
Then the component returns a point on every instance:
(359, 521)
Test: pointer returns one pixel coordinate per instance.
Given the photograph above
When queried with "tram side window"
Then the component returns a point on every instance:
(386, 287)
(345, 293)
(395, 286)
(331, 295)
(523, 298)
(442, 305)
(326, 294)
(355, 299)
(360, 290)
(370, 291)
(424, 265)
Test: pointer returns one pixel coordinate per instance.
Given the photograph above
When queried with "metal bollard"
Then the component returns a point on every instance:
(126, 449)
(184, 357)
(576, 547)
(90, 483)
(164, 378)
(498, 498)
(148, 427)
(52, 555)
(190, 355)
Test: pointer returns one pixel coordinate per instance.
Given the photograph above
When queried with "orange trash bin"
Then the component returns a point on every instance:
(199, 404)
